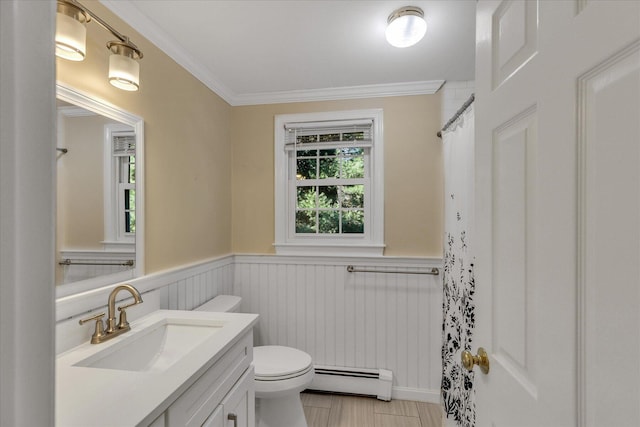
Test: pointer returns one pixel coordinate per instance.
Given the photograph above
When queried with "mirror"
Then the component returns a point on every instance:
(99, 200)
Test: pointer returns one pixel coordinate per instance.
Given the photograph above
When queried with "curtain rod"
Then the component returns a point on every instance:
(458, 113)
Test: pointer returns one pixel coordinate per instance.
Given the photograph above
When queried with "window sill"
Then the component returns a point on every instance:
(119, 246)
(329, 249)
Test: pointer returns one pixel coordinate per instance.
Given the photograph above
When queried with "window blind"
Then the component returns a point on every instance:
(124, 145)
(328, 135)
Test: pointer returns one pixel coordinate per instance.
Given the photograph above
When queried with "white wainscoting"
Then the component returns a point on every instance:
(182, 288)
(363, 320)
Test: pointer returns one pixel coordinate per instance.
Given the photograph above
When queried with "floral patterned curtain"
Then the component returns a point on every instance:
(459, 286)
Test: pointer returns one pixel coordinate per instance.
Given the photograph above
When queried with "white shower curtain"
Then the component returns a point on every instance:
(458, 278)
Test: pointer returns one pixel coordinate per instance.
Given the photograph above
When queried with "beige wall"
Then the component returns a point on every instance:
(413, 172)
(188, 147)
(81, 183)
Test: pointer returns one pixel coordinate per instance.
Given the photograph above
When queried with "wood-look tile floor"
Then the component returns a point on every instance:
(327, 410)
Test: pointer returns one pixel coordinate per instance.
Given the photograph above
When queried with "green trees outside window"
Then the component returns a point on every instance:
(330, 189)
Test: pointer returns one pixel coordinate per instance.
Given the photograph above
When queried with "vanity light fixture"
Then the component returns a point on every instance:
(406, 26)
(71, 31)
(124, 70)
(71, 19)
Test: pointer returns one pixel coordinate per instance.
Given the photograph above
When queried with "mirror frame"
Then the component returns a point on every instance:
(99, 106)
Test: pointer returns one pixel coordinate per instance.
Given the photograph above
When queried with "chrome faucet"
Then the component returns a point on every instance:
(113, 330)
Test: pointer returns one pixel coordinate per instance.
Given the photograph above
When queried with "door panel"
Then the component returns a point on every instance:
(558, 212)
(514, 37)
(609, 127)
(514, 163)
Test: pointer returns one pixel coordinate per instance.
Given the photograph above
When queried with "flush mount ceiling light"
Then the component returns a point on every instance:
(71, 19)
(406, 26)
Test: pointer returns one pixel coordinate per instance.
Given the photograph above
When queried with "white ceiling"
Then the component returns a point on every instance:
(263, 51)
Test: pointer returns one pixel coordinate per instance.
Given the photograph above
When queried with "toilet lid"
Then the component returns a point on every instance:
(274, 361)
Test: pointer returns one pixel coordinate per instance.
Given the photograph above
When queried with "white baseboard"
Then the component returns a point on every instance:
(416, 394)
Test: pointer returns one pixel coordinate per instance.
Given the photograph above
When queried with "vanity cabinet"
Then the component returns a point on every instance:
(223, 396)
(174, 368)
(238, 407)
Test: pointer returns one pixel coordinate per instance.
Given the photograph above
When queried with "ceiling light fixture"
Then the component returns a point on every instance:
(71, 19)
(406, 26)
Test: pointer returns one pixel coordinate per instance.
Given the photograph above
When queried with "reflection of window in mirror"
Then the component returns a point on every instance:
(120, 186)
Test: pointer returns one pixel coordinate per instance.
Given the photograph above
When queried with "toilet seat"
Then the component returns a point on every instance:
(276, 363)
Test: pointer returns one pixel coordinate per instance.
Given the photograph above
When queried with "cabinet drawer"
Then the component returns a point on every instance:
(196, 404)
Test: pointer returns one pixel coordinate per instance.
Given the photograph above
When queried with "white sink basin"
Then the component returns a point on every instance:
(155, 348)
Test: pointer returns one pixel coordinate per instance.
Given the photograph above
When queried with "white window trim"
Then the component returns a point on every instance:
(113, 238)
(370, 245)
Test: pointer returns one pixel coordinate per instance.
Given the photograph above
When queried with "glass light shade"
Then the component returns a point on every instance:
(124, 72)
(71, 38)
(406, 29)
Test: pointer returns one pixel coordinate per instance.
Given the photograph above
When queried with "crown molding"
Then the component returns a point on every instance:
(128, 12)
(348, 92)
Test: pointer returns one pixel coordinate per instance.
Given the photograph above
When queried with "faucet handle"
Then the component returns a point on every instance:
(123, 323)
(98, 332)
(123, 307)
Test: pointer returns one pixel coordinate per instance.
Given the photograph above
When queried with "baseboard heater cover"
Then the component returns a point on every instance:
(368, 382)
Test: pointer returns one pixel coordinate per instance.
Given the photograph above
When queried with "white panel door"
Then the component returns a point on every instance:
(558, 212)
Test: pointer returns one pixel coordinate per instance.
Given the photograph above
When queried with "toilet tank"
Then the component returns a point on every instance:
(221, 303)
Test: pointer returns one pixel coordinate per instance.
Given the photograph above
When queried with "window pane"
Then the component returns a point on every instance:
(329, 168)
(329, 222)
(352, 151)
(330, 152)
(132, 170)
(353, 136)
(353, 167)
(330, 137)
(130, 223)
(132, 199)
(353, 196)
(303, 139)
(353, 222)
(305, 221)
(307, 153)
(328, 196)
(306, 169)
(306, 198)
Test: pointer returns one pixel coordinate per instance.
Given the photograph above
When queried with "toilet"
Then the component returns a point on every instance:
(281, 373)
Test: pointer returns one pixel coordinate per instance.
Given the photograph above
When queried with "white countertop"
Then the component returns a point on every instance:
(94, 397)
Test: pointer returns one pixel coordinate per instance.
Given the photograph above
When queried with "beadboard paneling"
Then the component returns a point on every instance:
(196, 288)
(182, 288)
(363, 320)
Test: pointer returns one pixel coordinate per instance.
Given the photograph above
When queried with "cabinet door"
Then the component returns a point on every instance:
(239, 404)
(216, 419)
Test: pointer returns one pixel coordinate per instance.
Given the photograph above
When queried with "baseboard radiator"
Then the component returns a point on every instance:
(368, 382)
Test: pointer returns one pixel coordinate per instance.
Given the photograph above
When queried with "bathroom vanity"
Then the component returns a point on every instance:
(174, 368)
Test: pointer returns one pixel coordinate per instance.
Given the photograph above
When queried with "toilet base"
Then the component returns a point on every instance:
(281, 411)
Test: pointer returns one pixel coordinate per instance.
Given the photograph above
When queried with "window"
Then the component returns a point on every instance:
(124, 153)
(329, 183)
(120, 186)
